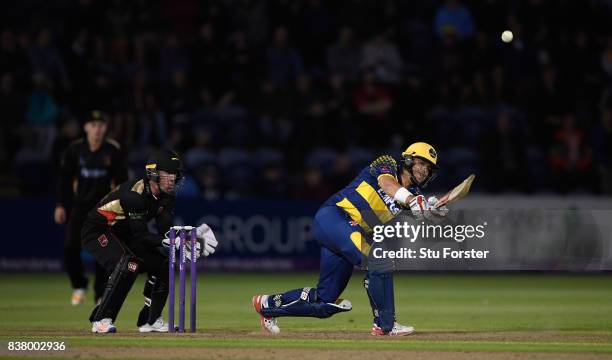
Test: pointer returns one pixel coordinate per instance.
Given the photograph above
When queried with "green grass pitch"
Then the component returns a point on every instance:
(453, 314)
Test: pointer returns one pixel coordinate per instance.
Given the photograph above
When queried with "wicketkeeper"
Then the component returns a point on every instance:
(341, 227)
(116, 234)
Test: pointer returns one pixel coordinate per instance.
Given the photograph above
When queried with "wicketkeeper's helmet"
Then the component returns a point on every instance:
(166, 160)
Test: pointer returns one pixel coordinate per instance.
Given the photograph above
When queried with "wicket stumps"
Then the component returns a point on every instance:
(182, 232)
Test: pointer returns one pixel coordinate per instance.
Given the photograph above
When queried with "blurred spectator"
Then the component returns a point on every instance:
(41, 114)
(283, 62)
(310, 112)
(11, 103)
(272, 183)
(454, 17)
(152, 123)
(45, 59)
(340, 113)
(312, 186)
(606, 58)
(13, 59)
(209, 180)
(373, 103)
(173, 58)
(178, 95)
(382, 57)
(505, 153)
(241, 61)
(273, 110)
(603, 142)
(208, 56)
(69, 132)
(549, 103)
(317, 25)
(343, 56)
(570, 157)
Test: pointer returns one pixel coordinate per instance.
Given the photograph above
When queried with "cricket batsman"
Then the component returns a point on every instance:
(116, 233)
(341, 225)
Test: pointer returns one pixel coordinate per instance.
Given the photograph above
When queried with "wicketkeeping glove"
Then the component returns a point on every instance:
(205, 233)
(188, 251)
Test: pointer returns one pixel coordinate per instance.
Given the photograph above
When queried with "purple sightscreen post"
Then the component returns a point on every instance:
(192, 278)
(182, 270)
(171, 260)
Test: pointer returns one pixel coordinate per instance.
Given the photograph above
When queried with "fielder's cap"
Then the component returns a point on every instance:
(96, 115)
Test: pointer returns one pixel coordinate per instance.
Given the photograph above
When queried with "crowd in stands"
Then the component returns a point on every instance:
(282, 99)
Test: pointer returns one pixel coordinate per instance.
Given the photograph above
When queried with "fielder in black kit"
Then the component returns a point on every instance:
(90, 168)
(116, 234)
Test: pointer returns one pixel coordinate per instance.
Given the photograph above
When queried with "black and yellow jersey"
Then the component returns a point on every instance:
(363, 199)
(127, 211)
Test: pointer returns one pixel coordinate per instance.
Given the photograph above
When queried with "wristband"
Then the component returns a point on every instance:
(402, 195)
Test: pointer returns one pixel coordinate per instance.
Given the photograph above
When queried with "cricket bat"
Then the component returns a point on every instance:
(459, 192)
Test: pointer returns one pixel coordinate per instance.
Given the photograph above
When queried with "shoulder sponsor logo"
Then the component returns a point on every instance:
(132, 266)
(103, 240)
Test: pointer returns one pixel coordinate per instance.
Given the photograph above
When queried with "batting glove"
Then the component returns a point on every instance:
(441, 211)
(205, 233)
(419, 207)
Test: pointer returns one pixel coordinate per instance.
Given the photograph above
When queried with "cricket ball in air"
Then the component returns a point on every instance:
(507, 36)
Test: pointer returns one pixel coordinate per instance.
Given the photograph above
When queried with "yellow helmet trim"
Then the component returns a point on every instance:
(422, 150)
(151, 166)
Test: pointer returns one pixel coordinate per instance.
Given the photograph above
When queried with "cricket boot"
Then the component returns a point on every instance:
(78, 297)
(269, 324)
(104, 326)
(158, 326)
(398, 330)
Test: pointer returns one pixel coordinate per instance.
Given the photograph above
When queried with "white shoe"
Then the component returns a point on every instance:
(104, 326)
(158, 326)
(398, 330)
(78, 297)
(343, 304)
(269, 324)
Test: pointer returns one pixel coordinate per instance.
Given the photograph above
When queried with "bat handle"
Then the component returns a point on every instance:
(441, 202)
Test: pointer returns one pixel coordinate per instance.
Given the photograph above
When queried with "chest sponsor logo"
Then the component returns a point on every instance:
(103, 240)
(137, 216)
(160, 210)
(93, 173)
